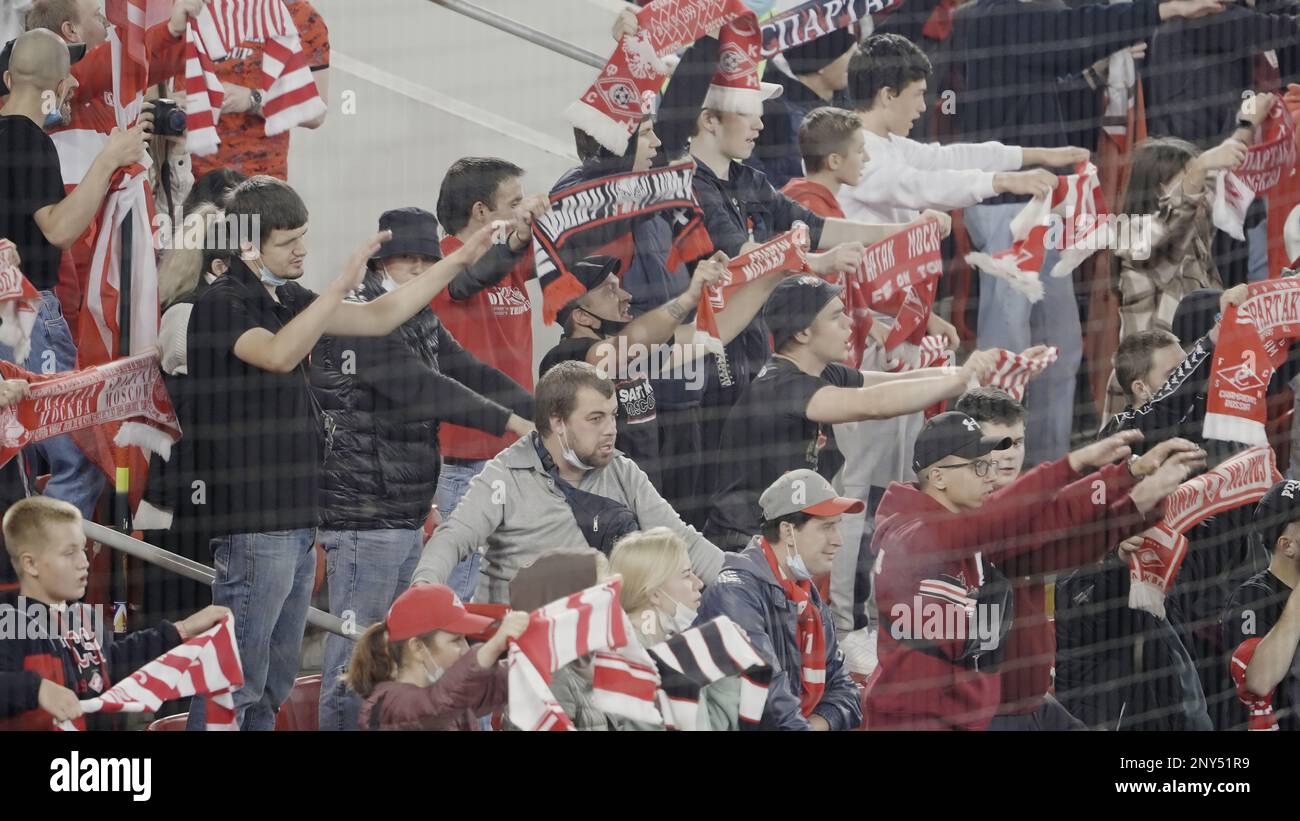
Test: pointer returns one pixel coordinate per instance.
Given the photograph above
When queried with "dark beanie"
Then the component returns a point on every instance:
(821, 52)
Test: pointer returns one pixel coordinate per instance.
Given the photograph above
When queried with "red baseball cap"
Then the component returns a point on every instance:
(428, 607)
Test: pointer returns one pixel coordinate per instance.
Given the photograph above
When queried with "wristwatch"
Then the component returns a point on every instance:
(256, 96)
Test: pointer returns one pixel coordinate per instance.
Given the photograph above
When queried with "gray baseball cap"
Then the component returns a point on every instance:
(804, 491)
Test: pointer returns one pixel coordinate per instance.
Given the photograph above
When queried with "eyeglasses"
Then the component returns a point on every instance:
(980, 466)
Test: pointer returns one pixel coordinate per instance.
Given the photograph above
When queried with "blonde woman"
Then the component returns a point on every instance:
(660, 596)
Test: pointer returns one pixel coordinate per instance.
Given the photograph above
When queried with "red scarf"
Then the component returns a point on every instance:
(908, 263)
(1014, 370)
(124, 399)
(1269, 161)
(1239, 481)
(786, 252)
(1274, 307)
(1235, 409)
(808, 633)
(816, 18)
(19, 303)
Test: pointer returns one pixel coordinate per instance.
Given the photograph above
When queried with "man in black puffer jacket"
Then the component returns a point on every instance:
(383, 398)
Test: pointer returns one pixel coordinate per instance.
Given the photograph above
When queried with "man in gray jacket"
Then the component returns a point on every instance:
(519, 505)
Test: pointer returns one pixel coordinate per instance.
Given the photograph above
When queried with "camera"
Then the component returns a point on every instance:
(168, 119)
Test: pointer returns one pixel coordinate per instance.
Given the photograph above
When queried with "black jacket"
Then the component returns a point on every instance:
(1199, 68)
(776, 153)
(385, 397)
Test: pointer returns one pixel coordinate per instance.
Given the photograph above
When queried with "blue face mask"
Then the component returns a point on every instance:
(270, 278)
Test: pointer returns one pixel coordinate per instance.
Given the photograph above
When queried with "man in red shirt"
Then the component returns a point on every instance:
(487, 309)
(944, 604)
(1029, 650)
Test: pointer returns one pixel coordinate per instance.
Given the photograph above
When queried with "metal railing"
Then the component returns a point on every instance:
(522, 31)
(191, 569)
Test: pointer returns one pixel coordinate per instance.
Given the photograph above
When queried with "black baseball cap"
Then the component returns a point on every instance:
(1279, 507)
(415, 232)
(794, 304)
(75, 52)
(953, 434)
(591, 272)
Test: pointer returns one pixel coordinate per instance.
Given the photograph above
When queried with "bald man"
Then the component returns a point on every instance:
(41, 221)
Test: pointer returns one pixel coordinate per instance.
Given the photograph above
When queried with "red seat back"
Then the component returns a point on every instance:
(170, 723)
(302, 711)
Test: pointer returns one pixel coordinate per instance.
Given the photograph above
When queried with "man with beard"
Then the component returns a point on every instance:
(562, 486)
(41, 220)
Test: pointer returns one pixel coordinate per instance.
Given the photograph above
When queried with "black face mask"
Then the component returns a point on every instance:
(608, 327)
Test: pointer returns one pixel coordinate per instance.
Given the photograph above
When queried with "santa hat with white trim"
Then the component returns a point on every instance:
(735, 86)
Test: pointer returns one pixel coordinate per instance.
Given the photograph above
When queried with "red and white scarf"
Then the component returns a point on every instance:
(611, 199)
(933, 352)
(909, 262)
(1077, 205)
(1014, 370)
(612, 108)
(19, 302)
(1274, 308)
(206, 665)
(786, 252)
(663, 687)
(1268, 160)
(809, 634)
(1235, 409)
(121, 403)
(1239, 481)
(291, 97)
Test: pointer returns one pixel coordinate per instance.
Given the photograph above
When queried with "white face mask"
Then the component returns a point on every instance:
(434, 674)
(681, 618)
(388, 283)
(797, 567)
(570, 455)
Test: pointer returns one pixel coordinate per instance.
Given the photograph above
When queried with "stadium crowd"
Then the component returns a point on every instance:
(864, 414)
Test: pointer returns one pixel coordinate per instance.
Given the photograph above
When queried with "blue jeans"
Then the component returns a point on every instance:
(72, 476)
(266, 580)
(1007, 320)
(365, 572)
(452, 484)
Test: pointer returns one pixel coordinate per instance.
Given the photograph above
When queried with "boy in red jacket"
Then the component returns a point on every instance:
(832, 145)
(944, 605)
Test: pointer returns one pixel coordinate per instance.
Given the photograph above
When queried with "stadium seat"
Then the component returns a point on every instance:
(170, 723)
(302, 711)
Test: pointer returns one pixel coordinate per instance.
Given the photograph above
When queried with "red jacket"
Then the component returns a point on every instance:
(931, 561)
(1029, 650)
(814, 196)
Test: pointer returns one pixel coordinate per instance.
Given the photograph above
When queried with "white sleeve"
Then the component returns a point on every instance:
(893, 184)
(172, 329)
(989, 156)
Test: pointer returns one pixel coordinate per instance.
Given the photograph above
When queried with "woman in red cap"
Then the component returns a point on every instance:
(415, 669)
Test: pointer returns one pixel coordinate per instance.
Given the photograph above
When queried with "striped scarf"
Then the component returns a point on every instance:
(291, 96)
(786, 252)
(1236, 482)
(1014, 370)
(1073, 209)
(674, 672)
(606, 200)
(207, 664)
(19, 302)
(1259, 708)
(626, 678)
(809, 634)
